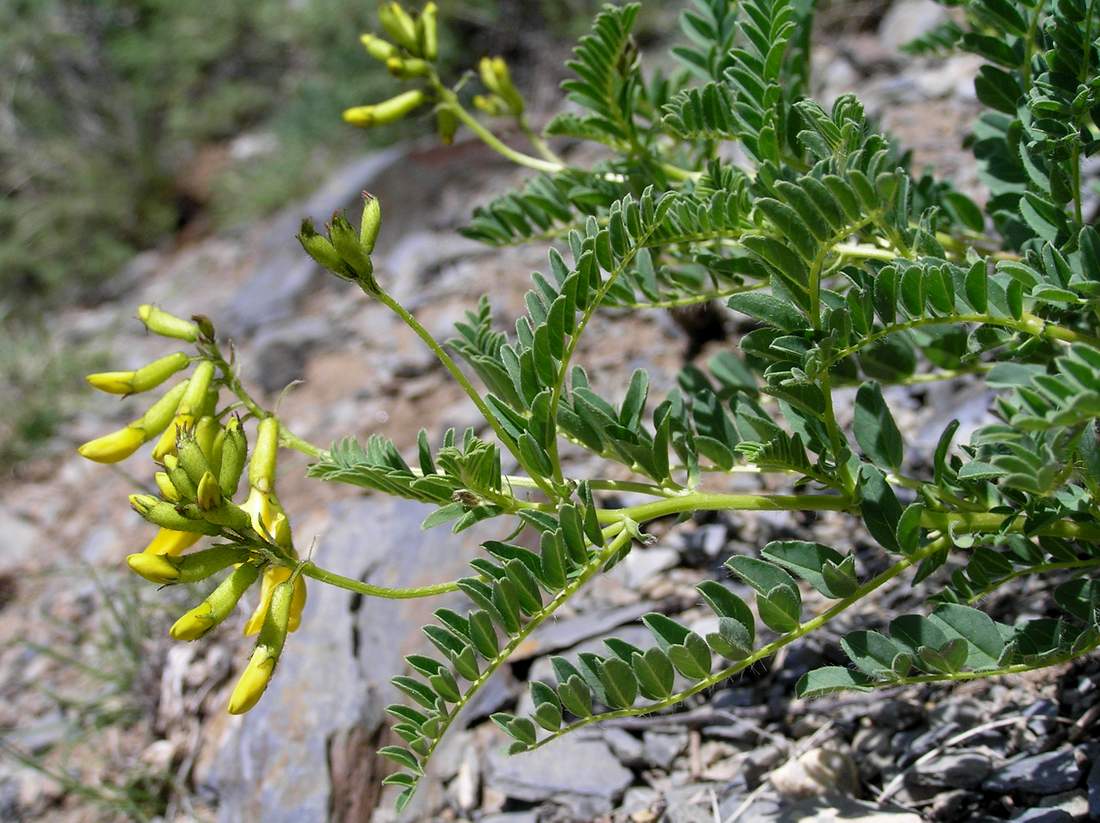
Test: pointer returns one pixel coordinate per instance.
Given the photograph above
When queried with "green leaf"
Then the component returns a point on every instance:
(875, 429)
(879, 507)
(830, 679)
(984, 642)
(619, 684)
(808, 561)
(403, 757)
(691, 657)
(726, 604)
(547, 706)
(873, 653)
(654, 672)
(769, 309)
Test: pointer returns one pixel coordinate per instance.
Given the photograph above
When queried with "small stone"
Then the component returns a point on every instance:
(464, 789)
(955, 805)
(580, 774)
(158, 756)
(907, 20)
(1047, 773)
(956, 770)
(1094, 790)
(638, 802)
(1044, 816)
(642, 566)
(661, 749)
(626, 747)
(819, 771)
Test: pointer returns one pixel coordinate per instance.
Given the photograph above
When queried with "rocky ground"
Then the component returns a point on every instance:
(104, 718)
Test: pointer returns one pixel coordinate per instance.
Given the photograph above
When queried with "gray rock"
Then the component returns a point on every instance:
(1047, 773)
(580, 774)
(836, 808)
(1044, 816)
(641, 565)
(661, 748)
(561, 634)
(284, 274)
(638, 799)
(908, 19)
(627, 748)
(530, 816)
(956, 770)
(281, 350)
(20, 540)
(326, 702)
(690, 804)
(1094, 789)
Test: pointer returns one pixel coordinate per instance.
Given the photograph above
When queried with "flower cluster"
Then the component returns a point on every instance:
(202, 452)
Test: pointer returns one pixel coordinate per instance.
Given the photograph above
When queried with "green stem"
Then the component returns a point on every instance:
(705, 501)
(1017, 668)
(450, 102)
(1038, 568)
(310, 569)
(536, 141)
(1027, 324)
(765, 651)
(460, 378)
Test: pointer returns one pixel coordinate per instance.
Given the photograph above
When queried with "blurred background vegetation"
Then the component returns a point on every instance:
(127, 124)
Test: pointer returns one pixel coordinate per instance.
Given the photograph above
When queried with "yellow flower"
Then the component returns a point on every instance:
(253, 681)
(113, 447)
(171, 543)
(112, 382)
(273, 576)
(153, 567)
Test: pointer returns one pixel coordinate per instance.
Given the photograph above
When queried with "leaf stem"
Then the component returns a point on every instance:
(311, 569)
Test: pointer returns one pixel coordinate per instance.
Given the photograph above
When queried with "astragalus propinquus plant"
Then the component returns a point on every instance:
(721, 183)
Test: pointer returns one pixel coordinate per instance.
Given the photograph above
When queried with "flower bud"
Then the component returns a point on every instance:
(234, 453)
(170, 542)
(262, 509)
(216, 451)
(182, 483)
(488, 76)
(446, 124)
(405, 67)
(153, 567)
(269, 645)
(320, 248)
(158, 417)
(209, 494)
(190, 568)
(167, 516)
(505, 87)
(153, 374)
(274, 576)
(206, 435)
(355, 257)
(112, 382)
(491, 104)
(167, 490)
(371, 222)
(261, 469)
(379, 49)
(113, 447)
(388, 111)
(194, 398)
(190, 456)
(218, 605)
(226, 516)
(166, 445)
(427, 30)
(167, 325)
(399, 26)
(253, 682)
